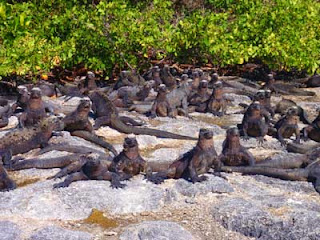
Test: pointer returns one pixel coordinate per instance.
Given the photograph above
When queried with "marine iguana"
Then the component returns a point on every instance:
(5, 112)
(284, 88)
(178, 98)
(35, 110)
(199, 100)
(255, 122)
(214, 80)
(311, 173)
(89, 168)
(313, 81)
(283, 105)
(90, 82)
(44, 163)
(6, 183)
(264, 98)
(288, 125)
(79, 87)
(195, 162)
(123, 80)
(313, 130)
(217, 104)
(23, 140)
(161, 106)
(22, 100)
(156, 76)
(167, 78)
(233, 153)
(129, 162)
(107, 114)
(136, 78)
(124, 166)
(301, 148)
(78, 124)
(124, 96)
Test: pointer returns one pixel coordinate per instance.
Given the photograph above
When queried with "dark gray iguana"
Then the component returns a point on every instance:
(23, 140)
(107, 114)
(311, 173)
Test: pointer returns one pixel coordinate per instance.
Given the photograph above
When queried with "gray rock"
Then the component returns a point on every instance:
(239, 215)
(271, 201)
(248, 218)
(238, 98)
(290, 186)
(271, 143)
(55, 233)
(41, 201)
(168, 155)
(150, 141)
(212, 184)
(188, 127)
(156, 230)
(9, 231)
(67, 106)
(250, 188)
(306, 225)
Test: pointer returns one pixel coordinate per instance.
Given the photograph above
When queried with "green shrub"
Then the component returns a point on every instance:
(36, 34)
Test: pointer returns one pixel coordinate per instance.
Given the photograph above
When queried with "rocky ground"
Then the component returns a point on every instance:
(241, 207)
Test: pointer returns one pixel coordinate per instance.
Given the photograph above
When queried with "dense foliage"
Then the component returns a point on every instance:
(39, 34)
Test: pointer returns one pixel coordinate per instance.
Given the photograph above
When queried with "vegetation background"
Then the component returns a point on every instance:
(35, 35)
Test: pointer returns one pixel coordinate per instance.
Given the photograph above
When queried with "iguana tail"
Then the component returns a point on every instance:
(121, 127)
(301, 148)
(95, 139)
(284, 162)
(45, 163)
(284, 174)
(69, 148)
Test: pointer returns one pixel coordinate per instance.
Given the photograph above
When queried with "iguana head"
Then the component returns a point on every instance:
(205, 133)
(52, 123)
(130, 142)
(84, 105)
(35, 93)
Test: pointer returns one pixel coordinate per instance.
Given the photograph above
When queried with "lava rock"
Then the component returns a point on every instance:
(41, 201)
(9, 231)
(242, 216)
(54, 233)
(212, 184)
(156, 230)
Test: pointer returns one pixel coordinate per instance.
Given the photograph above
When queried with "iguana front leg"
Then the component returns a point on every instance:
(78, 176)
(71, 168)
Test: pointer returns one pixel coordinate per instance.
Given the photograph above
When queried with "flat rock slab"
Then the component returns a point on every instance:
(156, 230)
(9, 231)
(58, 233)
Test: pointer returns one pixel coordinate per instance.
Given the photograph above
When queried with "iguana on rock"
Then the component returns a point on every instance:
(6, 183)
(23, 140)
(78, 124)
(124, 166)
(197, 161)
(107, 114)
(311, 173)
